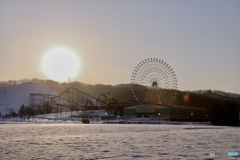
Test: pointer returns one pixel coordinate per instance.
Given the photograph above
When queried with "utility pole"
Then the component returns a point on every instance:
(159, 114)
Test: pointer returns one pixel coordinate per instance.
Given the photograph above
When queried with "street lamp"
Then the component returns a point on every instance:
(106, 116)
(159, 114)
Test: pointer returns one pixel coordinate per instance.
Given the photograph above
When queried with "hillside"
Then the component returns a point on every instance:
(12, 97)
(13, 94)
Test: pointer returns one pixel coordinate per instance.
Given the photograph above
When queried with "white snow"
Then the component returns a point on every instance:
(116, 141)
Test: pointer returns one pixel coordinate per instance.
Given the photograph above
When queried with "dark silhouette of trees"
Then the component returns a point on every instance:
(25, 110)
(225, 115)
(231, 117)
(12, 112)
(22, 111)
(217, 114)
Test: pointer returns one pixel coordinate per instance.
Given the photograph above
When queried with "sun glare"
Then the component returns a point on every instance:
(60, 63)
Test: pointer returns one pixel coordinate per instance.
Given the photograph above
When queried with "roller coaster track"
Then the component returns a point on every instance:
(75, 94)
(74, 99)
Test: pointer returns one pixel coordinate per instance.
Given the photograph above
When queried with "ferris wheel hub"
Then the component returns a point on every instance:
(154, 85)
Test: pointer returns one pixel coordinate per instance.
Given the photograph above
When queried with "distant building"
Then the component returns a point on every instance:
(166, 112)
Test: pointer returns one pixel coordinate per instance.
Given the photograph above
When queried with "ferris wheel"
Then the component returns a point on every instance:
(153, 81)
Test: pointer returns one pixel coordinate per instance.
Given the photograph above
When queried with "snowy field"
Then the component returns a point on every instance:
(116, 141)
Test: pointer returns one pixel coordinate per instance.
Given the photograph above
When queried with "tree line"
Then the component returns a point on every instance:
(222, 111)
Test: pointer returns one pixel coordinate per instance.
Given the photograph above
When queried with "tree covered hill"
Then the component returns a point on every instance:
(203, 99)
(222, 107)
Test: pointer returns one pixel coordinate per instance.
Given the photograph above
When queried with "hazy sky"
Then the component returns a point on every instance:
(199, 39)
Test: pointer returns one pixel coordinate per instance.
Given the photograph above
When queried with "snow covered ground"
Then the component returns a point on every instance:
(116, 141)
(65, 117)
(93, 116)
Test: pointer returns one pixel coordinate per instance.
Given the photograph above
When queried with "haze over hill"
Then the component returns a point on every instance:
(15, 93)
(12, 97)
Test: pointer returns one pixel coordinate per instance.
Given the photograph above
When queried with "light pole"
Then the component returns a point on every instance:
(93, 116)
(106, 116)
(159, 114)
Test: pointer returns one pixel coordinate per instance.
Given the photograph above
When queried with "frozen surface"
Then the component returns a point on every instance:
(115, 141)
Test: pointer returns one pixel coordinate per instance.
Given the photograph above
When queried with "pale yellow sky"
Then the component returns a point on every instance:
(199, 39)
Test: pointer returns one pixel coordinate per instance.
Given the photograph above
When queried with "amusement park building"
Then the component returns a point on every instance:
(166, 112)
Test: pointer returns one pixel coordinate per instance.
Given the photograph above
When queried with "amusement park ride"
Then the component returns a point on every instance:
(153, 81)
(73, 99)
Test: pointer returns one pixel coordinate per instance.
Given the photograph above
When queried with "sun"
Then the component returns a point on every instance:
(60, 64)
